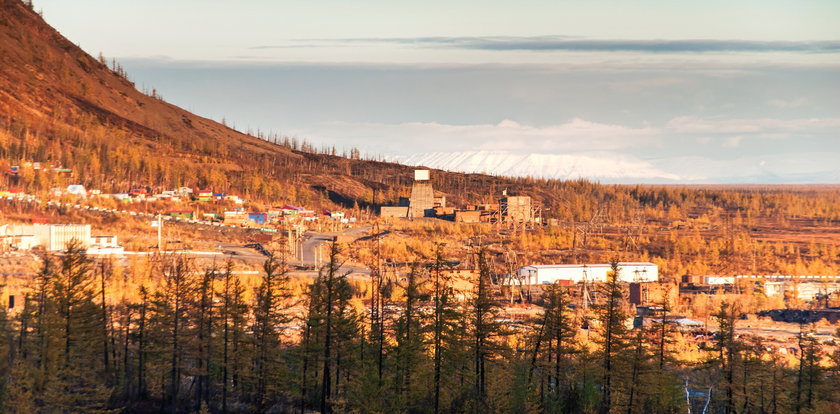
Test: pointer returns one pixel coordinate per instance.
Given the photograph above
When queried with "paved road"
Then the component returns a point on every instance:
(312, 241)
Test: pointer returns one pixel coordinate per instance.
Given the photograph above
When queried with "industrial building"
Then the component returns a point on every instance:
(516, 209)
(511, 211)
(421, 203)
(576, 273)
(802, 291)
(394, 211)
(422, 200)
(53, 237)
(700, 280)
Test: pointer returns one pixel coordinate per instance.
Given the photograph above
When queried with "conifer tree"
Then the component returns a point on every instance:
(483, 328)
(272, 298)
(553, 349)
(204, 326)
(445, 317)
(331, 328)
(231, 317)
(78, 382)
(728, 349)
(613, 337)
(808, 372)
(410, 334)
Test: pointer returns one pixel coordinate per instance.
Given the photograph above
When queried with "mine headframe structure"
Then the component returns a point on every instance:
(517, 212)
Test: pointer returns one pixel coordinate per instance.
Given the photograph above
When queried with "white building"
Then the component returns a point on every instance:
(53, 237)
(104, 241)
(11, 239)
(803, 291)
(104, 245)
(77, 189)
(576, 273)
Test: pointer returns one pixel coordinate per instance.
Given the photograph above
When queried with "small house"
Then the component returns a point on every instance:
(204, 195)
(290, 210)
(183, 214)
(104, 241)
(77, 189)
(258, 218)
(138, 193)
(234, 218)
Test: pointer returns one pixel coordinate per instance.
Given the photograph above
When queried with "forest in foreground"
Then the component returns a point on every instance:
(195, 338)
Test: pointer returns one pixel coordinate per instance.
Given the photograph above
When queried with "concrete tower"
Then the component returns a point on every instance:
(422, 200)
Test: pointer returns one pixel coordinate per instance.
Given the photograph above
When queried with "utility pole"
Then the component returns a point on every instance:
(159, 224)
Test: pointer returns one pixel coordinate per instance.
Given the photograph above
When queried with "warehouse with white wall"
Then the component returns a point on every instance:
(576, 273)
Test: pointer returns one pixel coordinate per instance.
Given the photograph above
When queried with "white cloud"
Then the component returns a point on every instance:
(785, 104)
(696, 125)
(638, 85)
(734, 141)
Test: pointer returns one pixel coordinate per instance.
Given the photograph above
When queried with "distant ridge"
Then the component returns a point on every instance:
(552, 166)
(620, 170)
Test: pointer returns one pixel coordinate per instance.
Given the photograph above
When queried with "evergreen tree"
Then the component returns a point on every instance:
(483, 328)
(553, 350)
(410, 337)
(808, 372)
(332, 326)
(78, 384)
(729, 352)
(272, 298)
(613, 337)
(445, 335)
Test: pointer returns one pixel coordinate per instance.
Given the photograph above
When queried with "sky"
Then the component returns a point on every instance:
(649, 91)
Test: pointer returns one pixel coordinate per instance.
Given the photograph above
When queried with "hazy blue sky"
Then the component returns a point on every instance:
(694, 91)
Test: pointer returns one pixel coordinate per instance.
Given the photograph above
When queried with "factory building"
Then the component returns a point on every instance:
(576, 273)
(422, 200)
(394, 211)
(53, 237)
(421, 203)
(516, 209)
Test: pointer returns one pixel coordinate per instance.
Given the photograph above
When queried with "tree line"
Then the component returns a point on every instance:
(196, 340)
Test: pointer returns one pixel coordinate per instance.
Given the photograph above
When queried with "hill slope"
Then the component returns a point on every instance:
(47, 77)
(51, 90)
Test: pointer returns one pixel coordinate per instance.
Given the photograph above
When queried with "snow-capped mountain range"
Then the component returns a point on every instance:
(610, 168)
